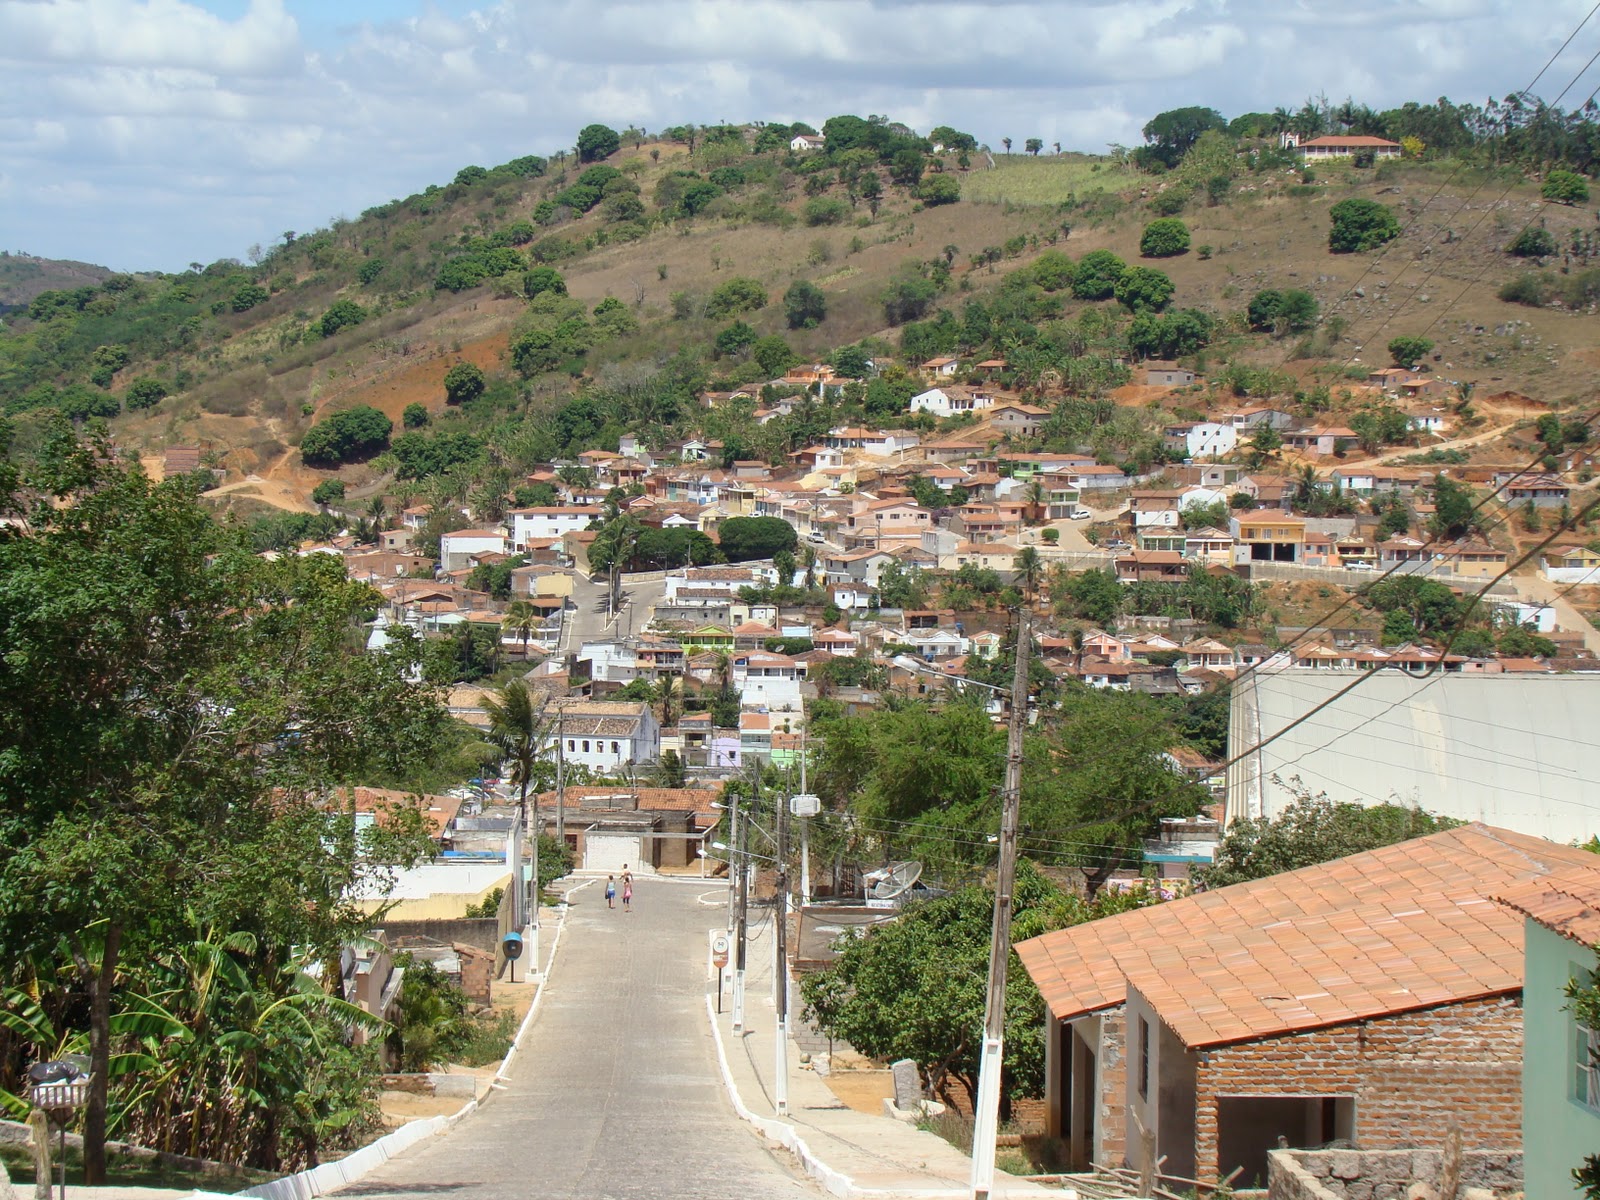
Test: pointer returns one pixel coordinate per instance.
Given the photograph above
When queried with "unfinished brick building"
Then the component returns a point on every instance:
(1374, 999)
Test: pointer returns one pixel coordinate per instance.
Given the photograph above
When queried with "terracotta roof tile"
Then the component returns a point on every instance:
(1403, 927)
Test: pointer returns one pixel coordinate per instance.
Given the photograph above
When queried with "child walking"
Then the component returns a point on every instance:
(611, 891)
(627, 893)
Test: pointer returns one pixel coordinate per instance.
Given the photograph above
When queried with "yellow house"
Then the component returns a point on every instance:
(1268, 537)
(1475, 559)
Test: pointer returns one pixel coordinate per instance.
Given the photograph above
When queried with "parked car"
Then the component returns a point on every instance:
(1081, 514)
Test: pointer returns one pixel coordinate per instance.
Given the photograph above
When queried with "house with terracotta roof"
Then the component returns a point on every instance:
(1560, 1055)
(1375, 998)
(1341, 145)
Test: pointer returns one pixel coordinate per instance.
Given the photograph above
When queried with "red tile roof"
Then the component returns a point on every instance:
(1404, 927)
(1567, 903)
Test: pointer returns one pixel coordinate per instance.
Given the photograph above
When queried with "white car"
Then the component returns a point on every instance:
(1081, 514)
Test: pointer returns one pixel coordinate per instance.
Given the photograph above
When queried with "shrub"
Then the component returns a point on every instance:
(1360, 225)
(938, 189)
(1097, 275)
(1565, 187)
(1144, 289)
(369, 270)
(1170, 202)
(804, 305)
(908, 298)
(824, 210)
(772, 354)
(463, 382)
(734, 338)
(415, 416)
(597, 141)
(341, 314)
(346, 436)
(1164, 238)
(541, 280)
(1527, 288)
(329, 491)
(1288, 311)
(145, 393)
(1533, 243)
(247, 296)
(736, 295)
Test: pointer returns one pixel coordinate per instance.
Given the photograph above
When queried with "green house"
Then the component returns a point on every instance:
(1560, 1057)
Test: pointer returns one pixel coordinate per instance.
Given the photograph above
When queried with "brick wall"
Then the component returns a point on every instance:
(1413, 1076)
(1112, 1122)
(477, 972)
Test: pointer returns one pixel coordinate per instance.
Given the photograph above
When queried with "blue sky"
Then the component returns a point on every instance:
(146, 134)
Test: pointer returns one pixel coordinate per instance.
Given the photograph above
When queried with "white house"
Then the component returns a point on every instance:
(1339, 145)
(548, 524)
(456, 548)
(605, 735)
(769, 681)
(1202, 439)
(610, 662)
(952, 401)
(800, 143)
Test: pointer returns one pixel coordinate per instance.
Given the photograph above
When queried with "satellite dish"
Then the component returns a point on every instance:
(893, 882)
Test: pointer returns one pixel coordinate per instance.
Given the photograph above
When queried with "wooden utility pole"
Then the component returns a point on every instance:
(986, 1115)
(781, 993)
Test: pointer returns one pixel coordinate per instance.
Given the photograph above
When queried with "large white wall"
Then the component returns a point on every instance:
(1518, 752)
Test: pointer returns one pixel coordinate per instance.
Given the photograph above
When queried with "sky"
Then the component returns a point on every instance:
(148, 134)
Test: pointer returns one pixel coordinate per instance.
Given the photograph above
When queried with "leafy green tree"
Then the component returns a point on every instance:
(939, 189)
(470, 175)
(1092, 596)
(902, 586)
(612, 318)
(736, 295)
(915, 987)
(144, 393)
(415, 416)
(1311, 830)
(463, 382)
(1264, 443)
(1144, 289)
(908, 298)
(329, 491)
(1428, 605)
(1169, 135)
(804, 305)
(1097, 275)
(541, 280)
(1360, 225)
(1289, 310)
(852, 361)
(772, 354)
(1169, 335)
(735, 339)
(1408, 351)
(1565, 187)
(1164, 238)
(596, 142)
(165, 760)
(346, 436)
(247, 295)
(745, 538)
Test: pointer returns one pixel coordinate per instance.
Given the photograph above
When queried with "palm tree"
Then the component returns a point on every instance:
(1006, 142)
(723, 669)
(1030, 568)
(521, 620)
(517, 729)
(668, 693)
(1036, 497)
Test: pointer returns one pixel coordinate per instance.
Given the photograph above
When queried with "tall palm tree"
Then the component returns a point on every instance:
(808, 564)
(669, 692)
(1030, 570)
(1036, 496)
(723, 669)
(517, 729)
(520, 621)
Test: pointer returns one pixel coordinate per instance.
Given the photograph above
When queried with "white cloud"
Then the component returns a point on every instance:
(152, 132)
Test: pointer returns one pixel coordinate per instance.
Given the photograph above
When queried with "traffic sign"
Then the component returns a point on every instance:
(719, 951)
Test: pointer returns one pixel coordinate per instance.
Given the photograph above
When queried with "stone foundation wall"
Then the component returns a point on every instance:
(1384, 1174)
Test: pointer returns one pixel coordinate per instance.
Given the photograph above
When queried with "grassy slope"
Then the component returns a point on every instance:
(22, 277)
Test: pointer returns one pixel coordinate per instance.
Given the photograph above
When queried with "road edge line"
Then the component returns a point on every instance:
(781, 1132)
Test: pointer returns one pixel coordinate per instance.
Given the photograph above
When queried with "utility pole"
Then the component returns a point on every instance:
(533, 914)
(780, 1091)
(561, 775)
(740, 926)
(805, 829)
(986, 1113)
(733, 853)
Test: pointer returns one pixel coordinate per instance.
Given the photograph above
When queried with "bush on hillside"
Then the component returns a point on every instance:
(1360, 225)
(1164, 238)
(347, 436)
(1533, 243)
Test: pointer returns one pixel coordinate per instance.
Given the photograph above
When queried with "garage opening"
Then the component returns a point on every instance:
(1249, 1126)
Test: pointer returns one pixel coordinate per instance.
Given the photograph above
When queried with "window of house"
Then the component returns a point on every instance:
(1586, 1065)
(572, 744)
(586, 745)
(1144, 1059)
(616, 749)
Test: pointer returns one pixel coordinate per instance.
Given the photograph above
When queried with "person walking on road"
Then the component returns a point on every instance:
(627, 890)
(611, 891)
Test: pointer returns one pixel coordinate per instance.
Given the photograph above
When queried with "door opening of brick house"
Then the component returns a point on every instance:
(1249, 1126)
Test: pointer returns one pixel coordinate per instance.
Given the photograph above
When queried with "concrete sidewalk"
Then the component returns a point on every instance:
(848, 1152)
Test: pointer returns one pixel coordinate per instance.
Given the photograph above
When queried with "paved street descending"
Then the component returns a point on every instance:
(615, 1093)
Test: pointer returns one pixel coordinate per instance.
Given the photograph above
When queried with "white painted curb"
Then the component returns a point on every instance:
(330, 1177)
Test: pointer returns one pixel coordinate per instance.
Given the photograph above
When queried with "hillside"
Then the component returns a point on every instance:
(22, 277)
(233, 357)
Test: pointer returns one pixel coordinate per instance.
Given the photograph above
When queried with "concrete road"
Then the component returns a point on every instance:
(616, 1093)
(590, 622)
